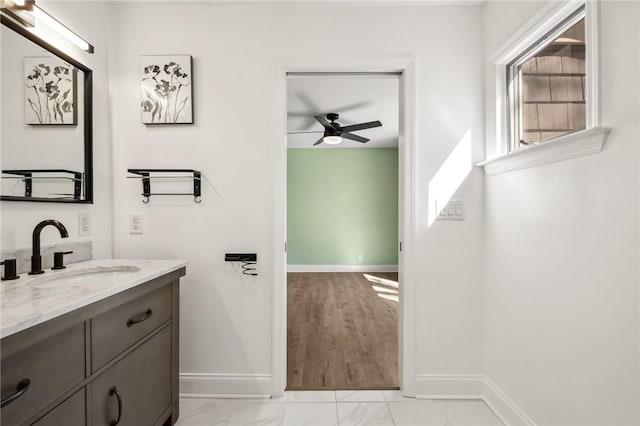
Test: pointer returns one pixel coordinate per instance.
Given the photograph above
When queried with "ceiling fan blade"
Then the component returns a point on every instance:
(352, 106)
(354, 137)
(297, 114)
(361, 126)
(307, 101)
(299, 133)
(309, 107)
(323, 121)
(319, 141)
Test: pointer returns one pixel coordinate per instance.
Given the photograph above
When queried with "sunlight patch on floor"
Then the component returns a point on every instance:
(387, 289)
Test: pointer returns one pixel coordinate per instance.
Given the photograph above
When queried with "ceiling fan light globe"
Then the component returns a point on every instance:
(332, 140)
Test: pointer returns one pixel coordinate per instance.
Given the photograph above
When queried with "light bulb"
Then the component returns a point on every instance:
(332, 140)
(52, 23)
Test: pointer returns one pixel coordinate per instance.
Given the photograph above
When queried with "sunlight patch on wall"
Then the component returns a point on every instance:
(450, 176)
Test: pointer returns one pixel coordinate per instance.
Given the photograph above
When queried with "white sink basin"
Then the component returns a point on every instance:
(85, 275)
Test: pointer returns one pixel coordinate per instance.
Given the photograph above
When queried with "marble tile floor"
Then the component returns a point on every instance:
(325, 408)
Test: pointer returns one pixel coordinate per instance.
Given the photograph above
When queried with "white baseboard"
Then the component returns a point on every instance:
(430, 386)
(193, 385)
(472, 387)
(503, 406)
(342, 268)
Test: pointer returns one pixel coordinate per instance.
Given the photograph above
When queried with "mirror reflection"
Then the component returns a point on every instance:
(44, 138)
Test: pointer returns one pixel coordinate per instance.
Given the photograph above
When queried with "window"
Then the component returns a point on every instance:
(546, 85)
(546, 90)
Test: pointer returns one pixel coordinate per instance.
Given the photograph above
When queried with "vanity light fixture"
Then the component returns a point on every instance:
(20, 10)
(27, 13)
(332, 140)
(43, 17)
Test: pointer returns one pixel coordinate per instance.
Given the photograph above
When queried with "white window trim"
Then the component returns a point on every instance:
(499, 159)
(571, 145)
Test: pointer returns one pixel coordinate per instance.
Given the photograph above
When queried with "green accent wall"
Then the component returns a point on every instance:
(342, 202)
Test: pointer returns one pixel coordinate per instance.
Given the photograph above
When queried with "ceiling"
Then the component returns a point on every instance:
(357, 98)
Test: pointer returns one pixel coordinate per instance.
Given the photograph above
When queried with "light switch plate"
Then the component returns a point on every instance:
(452, 210)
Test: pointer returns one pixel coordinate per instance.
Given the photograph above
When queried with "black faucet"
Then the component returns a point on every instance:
(36, 258)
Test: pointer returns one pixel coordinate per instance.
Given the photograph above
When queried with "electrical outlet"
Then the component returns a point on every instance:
(135, 224)
(360, 257)
(84, 224)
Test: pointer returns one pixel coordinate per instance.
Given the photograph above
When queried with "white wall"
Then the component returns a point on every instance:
(19, 218)
(561, 252)
(226, 317)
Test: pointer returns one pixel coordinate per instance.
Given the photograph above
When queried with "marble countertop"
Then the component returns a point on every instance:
(34, 299)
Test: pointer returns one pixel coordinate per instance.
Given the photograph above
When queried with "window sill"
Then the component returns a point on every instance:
(583, 142)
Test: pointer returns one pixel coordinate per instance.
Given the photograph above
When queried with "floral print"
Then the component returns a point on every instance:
(49, 91)
(166, 91)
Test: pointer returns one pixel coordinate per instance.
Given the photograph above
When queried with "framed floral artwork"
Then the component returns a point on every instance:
(50, 95)
(167, 96)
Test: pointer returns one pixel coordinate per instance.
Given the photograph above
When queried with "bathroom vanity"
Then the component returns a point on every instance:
(93, 344)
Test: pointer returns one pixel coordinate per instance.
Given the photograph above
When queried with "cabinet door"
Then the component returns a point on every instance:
(35, 376)
(70, 413)
(138, 387)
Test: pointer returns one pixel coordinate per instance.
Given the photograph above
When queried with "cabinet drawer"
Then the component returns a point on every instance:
(52, 366)
(70, 413)
(138, 387)
(118, 329)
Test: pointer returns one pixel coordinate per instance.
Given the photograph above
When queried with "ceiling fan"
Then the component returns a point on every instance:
(334, 132)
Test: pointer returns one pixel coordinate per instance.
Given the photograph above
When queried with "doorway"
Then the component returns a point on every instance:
(342, 231)
(405, 67)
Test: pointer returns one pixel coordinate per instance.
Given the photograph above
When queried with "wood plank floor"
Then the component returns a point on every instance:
(342, 331)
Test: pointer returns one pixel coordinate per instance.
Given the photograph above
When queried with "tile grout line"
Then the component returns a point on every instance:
(439, 405)
(393, 420)
(390, 414)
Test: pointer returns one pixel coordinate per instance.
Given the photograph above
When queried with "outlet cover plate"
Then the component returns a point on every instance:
(135, 224)
(84, 224)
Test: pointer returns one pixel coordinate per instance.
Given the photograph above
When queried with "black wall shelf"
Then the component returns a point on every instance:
(30, 175)
(147, 175)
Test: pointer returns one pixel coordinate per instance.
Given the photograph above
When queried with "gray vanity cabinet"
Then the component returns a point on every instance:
(139, 386)
(70, 413)
(51, 367)
(117, 354)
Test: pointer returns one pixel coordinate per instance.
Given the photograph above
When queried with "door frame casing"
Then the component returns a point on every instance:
(405, 66)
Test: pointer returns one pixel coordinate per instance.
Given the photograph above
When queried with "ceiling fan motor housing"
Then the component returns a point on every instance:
(331, 131)
(332, 116)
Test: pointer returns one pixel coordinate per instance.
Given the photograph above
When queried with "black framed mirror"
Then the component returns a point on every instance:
(46, 121)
